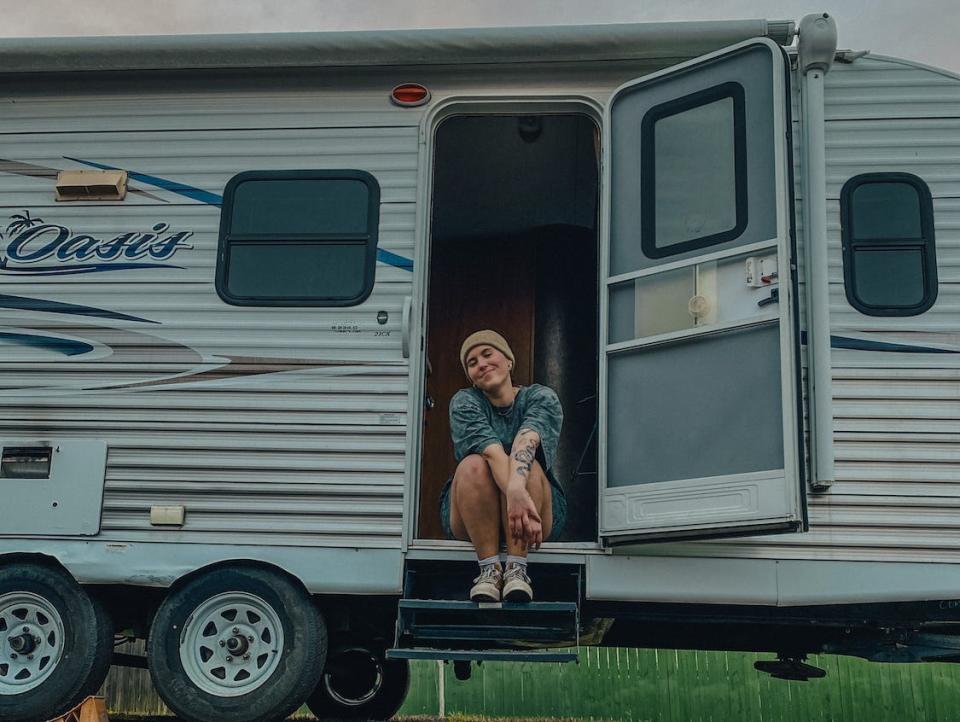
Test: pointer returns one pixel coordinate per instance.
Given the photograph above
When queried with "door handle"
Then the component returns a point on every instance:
(405, 326)
(774, 297)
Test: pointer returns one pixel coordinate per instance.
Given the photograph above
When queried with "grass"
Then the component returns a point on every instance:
(417, 718)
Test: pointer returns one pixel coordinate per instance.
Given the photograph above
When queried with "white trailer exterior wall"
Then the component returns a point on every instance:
(291, 436)
(346, 427)
(283, 432)
(896, 421)
(896, 414)
(311, 454)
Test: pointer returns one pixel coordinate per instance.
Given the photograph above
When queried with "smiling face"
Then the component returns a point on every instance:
(488, 368)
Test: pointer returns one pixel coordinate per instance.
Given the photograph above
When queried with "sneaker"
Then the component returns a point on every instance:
(516, 584)
(486, 587)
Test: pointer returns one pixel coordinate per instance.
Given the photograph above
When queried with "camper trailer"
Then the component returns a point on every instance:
(234, 278)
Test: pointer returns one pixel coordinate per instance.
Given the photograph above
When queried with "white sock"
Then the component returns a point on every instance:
(521, 561)
(489, 561)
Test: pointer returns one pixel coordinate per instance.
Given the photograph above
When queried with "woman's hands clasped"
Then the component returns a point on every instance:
(522, 514)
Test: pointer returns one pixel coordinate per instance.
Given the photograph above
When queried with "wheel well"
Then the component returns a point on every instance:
(370, 623)
(34, 558)
(190, 576)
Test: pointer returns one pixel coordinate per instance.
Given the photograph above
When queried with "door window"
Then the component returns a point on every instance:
(699, 196)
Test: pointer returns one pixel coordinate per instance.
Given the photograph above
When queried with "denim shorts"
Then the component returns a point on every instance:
(558, 505)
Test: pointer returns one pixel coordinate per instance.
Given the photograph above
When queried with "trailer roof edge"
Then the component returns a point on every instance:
(383, 47)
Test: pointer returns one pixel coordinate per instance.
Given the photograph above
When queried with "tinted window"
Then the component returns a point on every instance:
(694, 189)
(300, 206)
(296, 270)
(889, 256)
(298, 238)
(885, 210)
(889, 277)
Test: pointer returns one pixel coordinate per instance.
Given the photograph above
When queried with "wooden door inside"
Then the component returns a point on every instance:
(474, 284)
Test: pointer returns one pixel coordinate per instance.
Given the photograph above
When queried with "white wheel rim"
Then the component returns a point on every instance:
(31, 641)
(355, 700)
(231, 644)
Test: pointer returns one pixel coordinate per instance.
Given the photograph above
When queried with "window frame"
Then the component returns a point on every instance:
(926, 243)
(648, 169)
(227, 240)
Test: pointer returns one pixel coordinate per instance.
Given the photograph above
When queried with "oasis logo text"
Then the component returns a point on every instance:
(35, 248)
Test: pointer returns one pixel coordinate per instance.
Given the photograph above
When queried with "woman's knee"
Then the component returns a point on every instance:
(474, 478)
(473, 468)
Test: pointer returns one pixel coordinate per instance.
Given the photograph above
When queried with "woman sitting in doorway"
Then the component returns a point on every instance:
(505, 441)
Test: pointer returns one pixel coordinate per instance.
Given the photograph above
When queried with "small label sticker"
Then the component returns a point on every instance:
(391, 419)
(346, 327)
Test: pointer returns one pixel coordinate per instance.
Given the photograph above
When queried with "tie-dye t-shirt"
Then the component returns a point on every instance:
(475, 423)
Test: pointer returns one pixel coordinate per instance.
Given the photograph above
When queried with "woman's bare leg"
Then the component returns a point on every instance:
(475, 506)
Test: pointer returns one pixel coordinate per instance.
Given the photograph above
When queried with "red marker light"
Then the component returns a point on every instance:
(410, 95)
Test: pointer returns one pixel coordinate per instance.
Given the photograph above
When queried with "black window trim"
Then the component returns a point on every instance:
(370, 238)
(648, 177)
(926, 243)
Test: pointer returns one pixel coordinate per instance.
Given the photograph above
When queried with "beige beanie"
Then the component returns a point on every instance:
(487, 338)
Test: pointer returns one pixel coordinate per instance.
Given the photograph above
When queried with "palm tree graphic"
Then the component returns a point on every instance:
(19, 223)
(22, 222)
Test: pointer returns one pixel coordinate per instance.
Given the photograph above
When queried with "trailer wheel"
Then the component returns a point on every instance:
(237, 644)
(55, 643)
(359, 684)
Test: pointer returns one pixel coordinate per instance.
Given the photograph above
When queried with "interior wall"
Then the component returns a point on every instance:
(464, 297)
(514, 248)
(509, 174)
(565, 359)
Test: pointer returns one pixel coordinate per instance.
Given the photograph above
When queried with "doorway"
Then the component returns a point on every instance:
(514, 247)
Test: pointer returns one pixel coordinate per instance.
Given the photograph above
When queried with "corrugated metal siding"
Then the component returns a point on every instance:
(208, 159)
(896, 415)
(304, 441)
(198, 108)
(319, 98)
(876, 87)
(315, 455)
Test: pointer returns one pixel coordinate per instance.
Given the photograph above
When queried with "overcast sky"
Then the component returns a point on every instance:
(924, 30)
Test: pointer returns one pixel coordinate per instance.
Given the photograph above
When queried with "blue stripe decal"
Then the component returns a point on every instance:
(394, 260)
(81, 269)
(21, 303)
(66, 346)
(198, 194)
(857, 344)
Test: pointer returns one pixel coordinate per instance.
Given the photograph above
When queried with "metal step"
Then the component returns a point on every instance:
(455, 624)
(484, 655)
(433, 622)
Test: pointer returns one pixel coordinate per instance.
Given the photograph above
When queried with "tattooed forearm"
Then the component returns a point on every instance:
(524, 457)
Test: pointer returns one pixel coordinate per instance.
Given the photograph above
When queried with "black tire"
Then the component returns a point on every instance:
(78, 657)
(186, 662)
(360, 684)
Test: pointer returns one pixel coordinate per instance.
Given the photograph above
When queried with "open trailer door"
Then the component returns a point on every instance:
(699, 364)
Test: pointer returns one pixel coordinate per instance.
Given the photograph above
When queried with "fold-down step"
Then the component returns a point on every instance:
(436, 628)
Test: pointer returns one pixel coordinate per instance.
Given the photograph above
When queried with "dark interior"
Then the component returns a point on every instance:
(514, 248)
